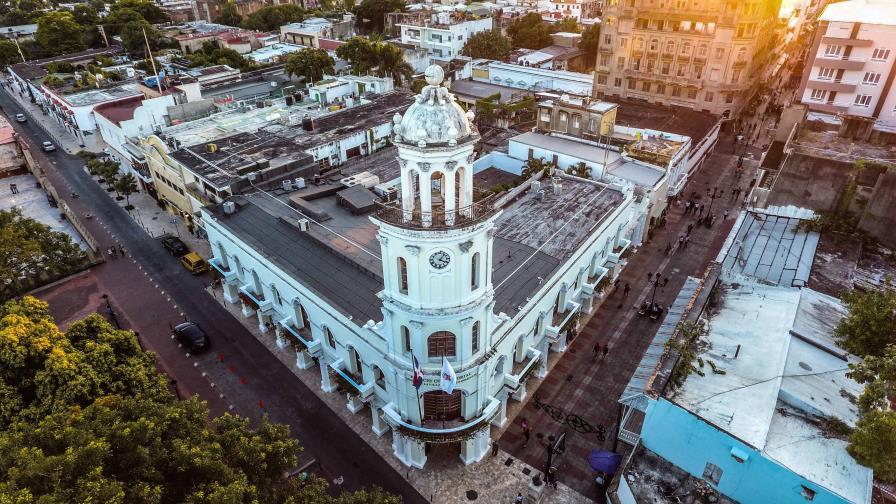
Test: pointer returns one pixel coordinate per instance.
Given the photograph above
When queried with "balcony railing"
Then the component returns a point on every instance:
(365, 390)
(395, 214)
(447, 434)
(559, 320)
(523, 370)
(259, 300)
(591, 283)
(301, 337)
(228, 274)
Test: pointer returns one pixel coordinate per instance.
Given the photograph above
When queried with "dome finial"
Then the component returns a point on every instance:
(434, 75)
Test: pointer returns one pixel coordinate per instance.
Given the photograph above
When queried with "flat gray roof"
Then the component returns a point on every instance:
(479, 90)
(559, 145)
(637, 173)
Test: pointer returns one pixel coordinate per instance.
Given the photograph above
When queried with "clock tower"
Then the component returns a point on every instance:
(436, 245)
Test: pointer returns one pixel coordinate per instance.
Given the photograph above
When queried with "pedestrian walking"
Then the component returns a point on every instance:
(605, 351)
(526, 431)
(665, 281)
(13, 188)
(111, 253)
(686, 240)
(725, 215)
(626, 289)
(121, 250)
(668, 249)
(680, 240)
(690, 228)
(687, 207)
(519, 499)
(495, 448)
(649, 276)
(595, 351)
(552, 477)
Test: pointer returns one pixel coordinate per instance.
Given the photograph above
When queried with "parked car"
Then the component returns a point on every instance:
(48, 147)
(21, 118)
(194, 263)
(191, 336)
(174, 245)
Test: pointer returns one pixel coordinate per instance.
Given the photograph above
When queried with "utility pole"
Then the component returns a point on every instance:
(15, 39)
(102, 31)
(153, 61)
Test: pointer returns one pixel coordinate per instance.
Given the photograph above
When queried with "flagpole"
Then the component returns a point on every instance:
(419, 408)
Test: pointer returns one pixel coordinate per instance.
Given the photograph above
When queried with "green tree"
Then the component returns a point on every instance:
(272, 17)
(489, 44)
(870, 325)
(58, 33)
(359, 53)
(9, 53)
(873, 444)
(878, 374)
(529, 31)
(149, 11)
(85, 15)
(119, 18)
(211, 54)
(108, 171)
(589, 43)
(309, 63)
(372, 13)
(132, 36)
(535, 165)
(383, 59)
(126, 186)
(30, 250)
(580, 170)
(392, 63)
(229, 15)
(566, 25)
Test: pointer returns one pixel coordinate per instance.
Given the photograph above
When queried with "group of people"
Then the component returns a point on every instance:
(114, 251)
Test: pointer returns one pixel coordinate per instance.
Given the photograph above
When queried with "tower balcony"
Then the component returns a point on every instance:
(443, 432)
(439, 218)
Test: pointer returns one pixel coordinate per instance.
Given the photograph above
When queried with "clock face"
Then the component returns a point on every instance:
(439, 260)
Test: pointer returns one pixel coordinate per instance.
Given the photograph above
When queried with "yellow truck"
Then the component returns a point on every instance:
(194, 263)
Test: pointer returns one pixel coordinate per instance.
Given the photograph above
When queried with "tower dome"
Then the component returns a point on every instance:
(435, 118)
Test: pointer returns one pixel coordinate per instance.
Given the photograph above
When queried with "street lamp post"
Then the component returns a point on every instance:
(656, 284)
(712, 198)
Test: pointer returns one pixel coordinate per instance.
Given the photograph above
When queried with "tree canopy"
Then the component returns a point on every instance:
(9, 53)
(229, 15)
(381, 58)
(488, 44)
(372, 13)
(530, 32)
(878, 374)
(149, 11)
(30, 250)
(309, 63)
(272, 17)
(590, 41)
(58, 33)
(870, 325)
(85, 417)
(568, 25)
(211, 54)
(873, 444)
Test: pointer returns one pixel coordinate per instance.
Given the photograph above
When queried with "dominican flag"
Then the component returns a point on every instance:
(449, 379)
(418, 374)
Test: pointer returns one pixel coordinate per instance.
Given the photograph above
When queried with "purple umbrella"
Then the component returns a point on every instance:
(604, 461)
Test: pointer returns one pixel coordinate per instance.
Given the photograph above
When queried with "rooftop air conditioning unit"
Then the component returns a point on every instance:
(252, 177)
(287, 185)
(211, 148)
(539, 195)
(229, 208)
(304, 224)
(558, 187)
(300, 183)
(536, 185)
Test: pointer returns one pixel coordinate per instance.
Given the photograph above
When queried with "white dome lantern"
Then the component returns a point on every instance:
(435, 118)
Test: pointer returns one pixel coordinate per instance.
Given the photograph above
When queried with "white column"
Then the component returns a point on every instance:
(407, 194)
(281, 338)
(426, 199)
(262, 326)
(354, 404)
(247, 310)
(303, 360)
(379, 426)
(473, 449)
(416, 453)
(231, 293)
(326, 384)
(500, 419)
(450, 196)
(543, 370)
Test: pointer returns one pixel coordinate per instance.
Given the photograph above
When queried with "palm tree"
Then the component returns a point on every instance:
(580, 170)
(391, 61)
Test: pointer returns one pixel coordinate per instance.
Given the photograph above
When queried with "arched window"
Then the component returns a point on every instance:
(701, 51)
(300, 316)
(654, 44)
(442, 343)
(330, 339)
(686, 48)
(562, 121)
(406, 338)
(239, 267)
(276, 295)
(742, 54)
(639, 43)
(222, 254)
(474, 271)
(670, 47)
(499, 367)
(379, 378)
(402, 275)
(475, 336)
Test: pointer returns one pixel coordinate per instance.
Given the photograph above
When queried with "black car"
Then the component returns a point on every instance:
(191, 336)
(174, 245)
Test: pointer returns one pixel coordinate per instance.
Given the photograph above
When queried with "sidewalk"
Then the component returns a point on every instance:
(61, 137)
(580, 395)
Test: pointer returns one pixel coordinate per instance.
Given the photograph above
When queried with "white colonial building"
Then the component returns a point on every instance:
(406, 258)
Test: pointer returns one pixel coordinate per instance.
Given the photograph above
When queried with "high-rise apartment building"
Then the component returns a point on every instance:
(705, 54)
(850, 68)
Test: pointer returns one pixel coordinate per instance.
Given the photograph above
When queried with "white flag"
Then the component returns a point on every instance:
(449, 379)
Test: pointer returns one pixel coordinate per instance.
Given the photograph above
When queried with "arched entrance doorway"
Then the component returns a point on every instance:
(439, 405)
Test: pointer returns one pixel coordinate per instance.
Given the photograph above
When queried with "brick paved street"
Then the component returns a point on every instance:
(588, 387)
